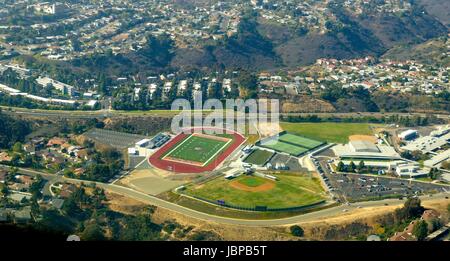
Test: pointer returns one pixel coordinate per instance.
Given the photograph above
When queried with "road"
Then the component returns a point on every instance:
(148, 199)
(168, 113)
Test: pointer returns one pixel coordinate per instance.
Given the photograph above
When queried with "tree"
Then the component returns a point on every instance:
(17, 147)
(35, 188)
(248, 84)
(297, 231)
(340, 167)
(351, 167)
(412, 209)
(420, 230)
(361, 166)
(5, 190)
(434, 173)
(35, 209)
(93, 232)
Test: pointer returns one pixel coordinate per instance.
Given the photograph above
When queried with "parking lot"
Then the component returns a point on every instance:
(118, 140)
(351, 187)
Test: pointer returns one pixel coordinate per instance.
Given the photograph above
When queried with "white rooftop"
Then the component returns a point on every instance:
(427, 143)
(437, 160)
(372, 152)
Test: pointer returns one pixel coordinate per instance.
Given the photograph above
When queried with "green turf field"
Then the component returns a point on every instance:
(289, 191)
(301, 141)
(328, 131)
(258, 157)
(285, 147)
(197, 149)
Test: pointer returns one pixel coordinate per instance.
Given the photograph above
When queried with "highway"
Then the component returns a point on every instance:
(151, 200)
(169, 113)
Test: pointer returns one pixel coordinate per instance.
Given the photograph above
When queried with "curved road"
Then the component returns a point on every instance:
(148, 199)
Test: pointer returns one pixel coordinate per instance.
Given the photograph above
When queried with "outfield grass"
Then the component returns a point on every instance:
(258, 157)
(197, 149)
(328, 131)
(289, 191)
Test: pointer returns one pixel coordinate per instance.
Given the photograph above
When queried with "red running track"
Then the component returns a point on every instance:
(179, 167)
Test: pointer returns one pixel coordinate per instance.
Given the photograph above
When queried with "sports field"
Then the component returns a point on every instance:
(258, 157)
(200, 149)
(328, 131)
(301, 141)
(286, 148)
(291, 144)
(249, 191)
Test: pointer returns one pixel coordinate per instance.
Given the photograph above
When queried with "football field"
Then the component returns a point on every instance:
(198, 149)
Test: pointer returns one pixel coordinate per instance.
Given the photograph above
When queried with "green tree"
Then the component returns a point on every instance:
(5, 190)
(297, 231)
(420, 230)
(361, 166)
(17, 147)
(434, 173)
(93, 232)
(412, 209)
(35, 209)
(340, 167)
(248, 84)
(351, 167)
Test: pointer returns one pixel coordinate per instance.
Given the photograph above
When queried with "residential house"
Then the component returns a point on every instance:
(24, 179)
(38, 143)
(19, 186)
(4, 157)
(405, 235)
(67, 190)
(79, 171)
(29, 148)
(23, 215)
(57, 203)
(56, 142)
(83, 154)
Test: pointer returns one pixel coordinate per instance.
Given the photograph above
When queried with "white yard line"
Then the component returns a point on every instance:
(188, 139)
(171, 151)
(215, 154)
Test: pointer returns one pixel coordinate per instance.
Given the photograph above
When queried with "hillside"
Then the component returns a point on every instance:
(439, 9)
(261, 44)
(434, 51)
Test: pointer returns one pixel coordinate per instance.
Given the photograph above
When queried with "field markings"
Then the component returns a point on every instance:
(172, 150)
(175, 152)
(215, 154)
